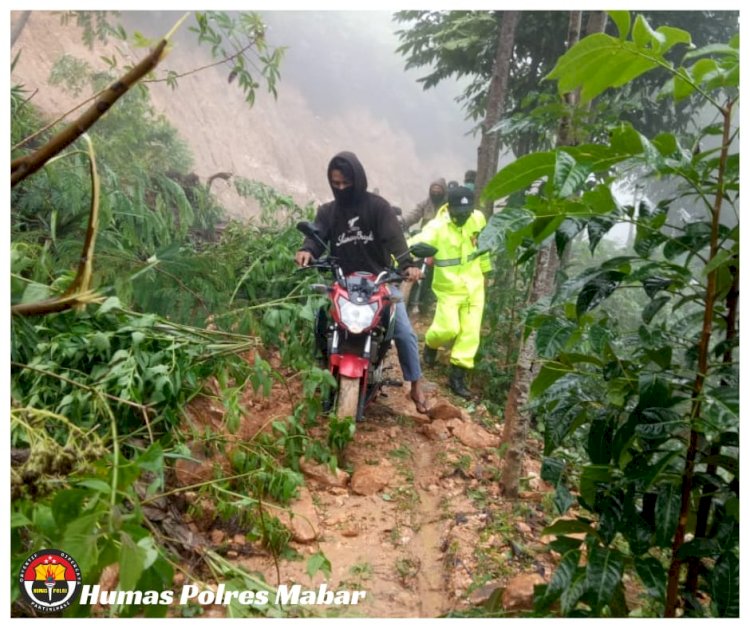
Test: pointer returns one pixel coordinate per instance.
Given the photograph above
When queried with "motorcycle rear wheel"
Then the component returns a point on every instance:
(348, 397)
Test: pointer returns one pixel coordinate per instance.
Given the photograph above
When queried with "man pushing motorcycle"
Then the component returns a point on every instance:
(364, 234)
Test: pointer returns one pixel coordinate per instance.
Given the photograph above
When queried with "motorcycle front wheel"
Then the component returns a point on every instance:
(348, 397)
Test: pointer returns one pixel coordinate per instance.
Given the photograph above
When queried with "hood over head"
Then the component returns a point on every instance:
(436, 192)
(350, 166)
(439, 183)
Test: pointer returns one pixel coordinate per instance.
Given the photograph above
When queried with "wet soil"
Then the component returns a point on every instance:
(418, 521)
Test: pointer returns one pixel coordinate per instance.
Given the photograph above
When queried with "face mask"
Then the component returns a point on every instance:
(459, 216)
(345, 196)
(437, 199)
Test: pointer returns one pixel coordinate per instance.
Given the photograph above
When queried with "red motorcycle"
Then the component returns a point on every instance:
(354, 332)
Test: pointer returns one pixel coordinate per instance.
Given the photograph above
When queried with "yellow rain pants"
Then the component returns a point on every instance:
(458, 284)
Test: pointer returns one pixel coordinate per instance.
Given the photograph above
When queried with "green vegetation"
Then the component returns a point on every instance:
(637, 392)
(638, 389)
(177, 299)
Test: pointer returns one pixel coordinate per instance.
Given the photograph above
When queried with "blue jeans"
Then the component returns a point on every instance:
(406, 342)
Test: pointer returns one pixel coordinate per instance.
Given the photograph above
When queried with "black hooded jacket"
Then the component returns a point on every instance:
(363, 234)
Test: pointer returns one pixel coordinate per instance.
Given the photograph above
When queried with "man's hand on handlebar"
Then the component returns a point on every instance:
(303, 258)
(412, 274)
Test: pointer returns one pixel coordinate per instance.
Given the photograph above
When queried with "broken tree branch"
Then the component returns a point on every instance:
(28, 164)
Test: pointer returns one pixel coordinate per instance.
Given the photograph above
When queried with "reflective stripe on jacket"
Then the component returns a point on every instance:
(458, 269)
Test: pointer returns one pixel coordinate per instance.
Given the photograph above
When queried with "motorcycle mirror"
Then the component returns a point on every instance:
(422, 249)
(311, 231)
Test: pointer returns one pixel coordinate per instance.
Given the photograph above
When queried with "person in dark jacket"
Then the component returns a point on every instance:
(422, 300)
(470, 179)
(427, 209)
(364, 234)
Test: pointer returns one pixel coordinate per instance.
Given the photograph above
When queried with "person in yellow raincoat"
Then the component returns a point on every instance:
(458, 284)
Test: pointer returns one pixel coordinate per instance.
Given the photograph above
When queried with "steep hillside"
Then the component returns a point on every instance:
(280, 142)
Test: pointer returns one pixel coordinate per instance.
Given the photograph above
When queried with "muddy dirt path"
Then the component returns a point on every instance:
(386, 537)
(427, 544)
(413, 516)
(387, 527)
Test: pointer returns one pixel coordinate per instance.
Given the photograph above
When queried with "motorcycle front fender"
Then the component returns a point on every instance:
(350, 365)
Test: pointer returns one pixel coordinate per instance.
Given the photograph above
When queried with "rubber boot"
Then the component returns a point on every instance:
(457, 381)
(429, 356)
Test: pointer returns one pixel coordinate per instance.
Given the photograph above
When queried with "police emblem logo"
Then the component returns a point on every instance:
(50, 580)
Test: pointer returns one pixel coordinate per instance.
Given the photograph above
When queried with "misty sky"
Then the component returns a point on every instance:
(363, 68)
(344, 61)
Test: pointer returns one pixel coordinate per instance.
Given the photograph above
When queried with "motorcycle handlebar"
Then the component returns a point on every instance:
(390, 276)
(324, 263)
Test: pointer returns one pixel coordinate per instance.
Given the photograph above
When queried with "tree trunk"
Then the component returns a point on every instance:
(547, 263)
(705, 505)
(565, 134)
(489, 147)
(597, 22)
(673, 597)
(18, 26)
(516, 421)
(516, 418)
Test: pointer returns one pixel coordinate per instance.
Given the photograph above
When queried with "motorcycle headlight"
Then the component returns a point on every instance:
(356, 318)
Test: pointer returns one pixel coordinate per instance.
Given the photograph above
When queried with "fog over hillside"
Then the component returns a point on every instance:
(343, 87)
(362, 69)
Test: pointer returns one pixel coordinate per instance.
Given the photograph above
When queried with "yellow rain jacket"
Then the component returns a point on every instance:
(458, 284)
